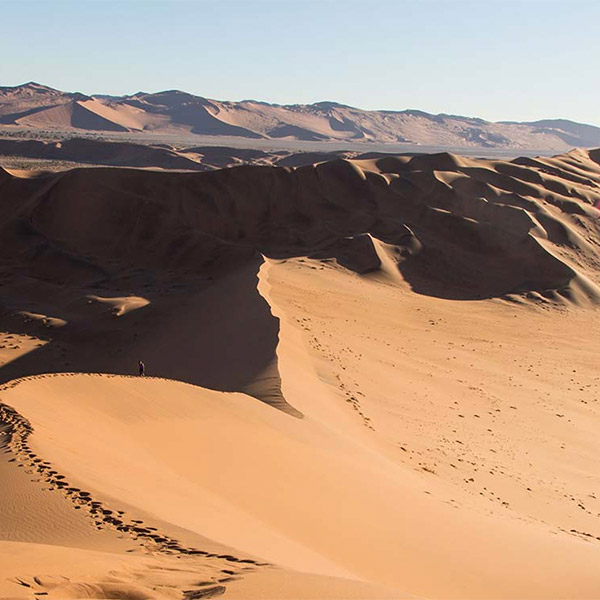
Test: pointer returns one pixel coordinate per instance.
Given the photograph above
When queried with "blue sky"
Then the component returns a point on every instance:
(496, 59)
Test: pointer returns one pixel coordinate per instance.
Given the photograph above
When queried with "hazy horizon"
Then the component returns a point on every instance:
(499, 61)
(262, 101)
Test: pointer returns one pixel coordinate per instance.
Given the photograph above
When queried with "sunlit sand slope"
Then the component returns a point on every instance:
(295, 492)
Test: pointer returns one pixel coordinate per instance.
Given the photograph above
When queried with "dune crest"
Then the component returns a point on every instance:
(483, 228)
(371, 378)
(189, 247)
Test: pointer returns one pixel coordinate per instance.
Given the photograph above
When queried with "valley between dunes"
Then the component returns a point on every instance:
(367, 379)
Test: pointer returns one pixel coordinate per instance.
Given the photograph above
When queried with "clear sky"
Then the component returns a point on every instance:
(496, 59)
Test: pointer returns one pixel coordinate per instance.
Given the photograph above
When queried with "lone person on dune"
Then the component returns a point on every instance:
(142, 368)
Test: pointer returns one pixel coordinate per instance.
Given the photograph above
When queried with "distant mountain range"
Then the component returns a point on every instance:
(34, 106)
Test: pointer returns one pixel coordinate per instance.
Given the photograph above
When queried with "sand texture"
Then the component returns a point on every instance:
(37, 107)
(370, 378)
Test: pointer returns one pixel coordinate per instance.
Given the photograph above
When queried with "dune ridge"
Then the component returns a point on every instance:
(527, 224)
(220, 567)
(74, 152)
(57, 403)
(85, 246)
(370, 378)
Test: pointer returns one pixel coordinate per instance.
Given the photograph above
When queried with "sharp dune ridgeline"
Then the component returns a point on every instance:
(367, 378)
(36, 107)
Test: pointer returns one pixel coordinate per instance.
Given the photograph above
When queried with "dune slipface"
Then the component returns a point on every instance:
(387, 381)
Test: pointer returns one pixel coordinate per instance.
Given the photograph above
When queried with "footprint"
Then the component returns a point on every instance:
(209, 592)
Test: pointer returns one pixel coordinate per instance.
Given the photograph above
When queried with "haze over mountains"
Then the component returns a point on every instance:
(38, 107)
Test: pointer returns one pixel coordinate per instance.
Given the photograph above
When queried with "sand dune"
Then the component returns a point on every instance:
(96, 152)
(74, 115)
(66, 154)
(175, 112)
(370, 378)
(228, 468)
(451, 227)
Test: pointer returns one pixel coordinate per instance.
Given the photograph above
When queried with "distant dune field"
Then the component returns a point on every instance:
(36, 107)
(370, 377)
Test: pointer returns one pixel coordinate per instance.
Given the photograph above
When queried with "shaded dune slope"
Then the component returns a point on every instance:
(95, 152)
(164, 252)
(82, 151)
(506, 227)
